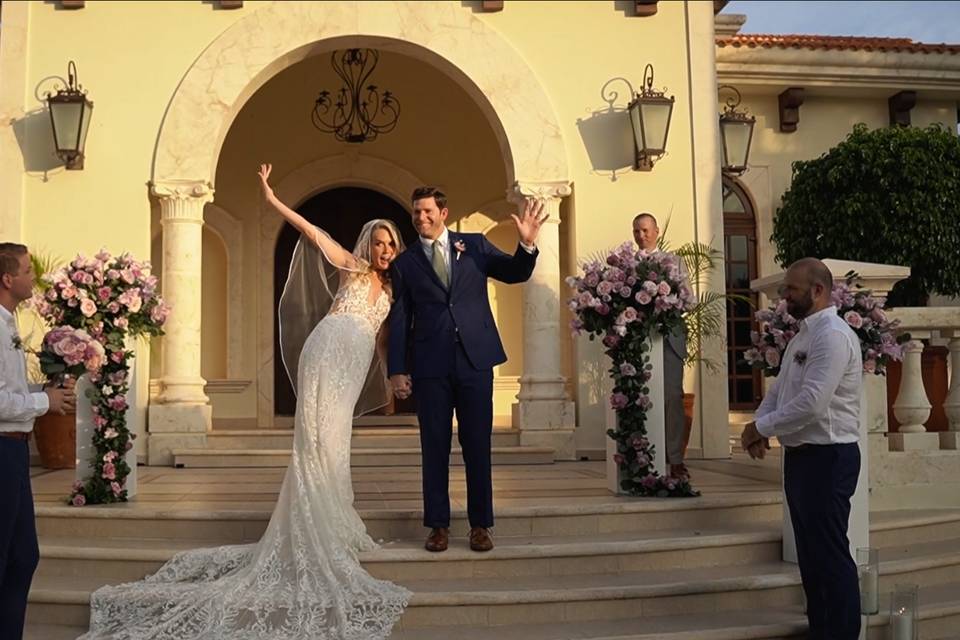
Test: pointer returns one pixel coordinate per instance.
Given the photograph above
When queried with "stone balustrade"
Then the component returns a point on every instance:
(912, 406)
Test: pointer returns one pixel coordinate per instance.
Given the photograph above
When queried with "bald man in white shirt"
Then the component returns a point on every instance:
(19, 405)
(813, 408)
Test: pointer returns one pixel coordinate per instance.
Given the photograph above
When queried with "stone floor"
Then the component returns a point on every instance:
(399, 487)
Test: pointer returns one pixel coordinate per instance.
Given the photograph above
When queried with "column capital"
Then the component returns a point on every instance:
(543, 190)
(182, 198)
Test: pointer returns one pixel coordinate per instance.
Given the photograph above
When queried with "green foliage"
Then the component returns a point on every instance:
(888, 196)
(706, 321)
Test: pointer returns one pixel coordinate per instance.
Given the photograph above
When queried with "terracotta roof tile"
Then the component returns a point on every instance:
(854, 43)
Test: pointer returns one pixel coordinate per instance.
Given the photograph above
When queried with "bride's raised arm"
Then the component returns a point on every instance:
(332, 250)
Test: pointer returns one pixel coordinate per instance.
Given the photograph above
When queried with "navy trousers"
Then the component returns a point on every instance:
(19, 552)
(469, 392)
(819, 481)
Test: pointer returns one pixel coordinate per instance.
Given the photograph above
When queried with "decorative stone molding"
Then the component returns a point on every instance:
(551, 192)
(789, 102)
(900, 105)
(486, 65)
(182, 200)
(227, 386)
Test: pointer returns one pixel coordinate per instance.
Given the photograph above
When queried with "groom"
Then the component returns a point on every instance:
(443, 340)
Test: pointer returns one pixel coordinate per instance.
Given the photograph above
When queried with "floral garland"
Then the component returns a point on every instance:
(625, 298)
(863, 312)
(110, 298)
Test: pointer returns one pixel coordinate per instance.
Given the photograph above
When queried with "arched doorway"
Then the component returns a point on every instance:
(341, 212)
(744, 385)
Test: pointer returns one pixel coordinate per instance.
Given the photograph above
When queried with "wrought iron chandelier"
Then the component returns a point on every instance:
(356, 116)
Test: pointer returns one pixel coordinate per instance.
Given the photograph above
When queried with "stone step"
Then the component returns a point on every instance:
(363, 437)
(404, 560)
(227, 526)
(363, 457)
(52, 632)
(483, 602)
(889, 528)
(939, 619)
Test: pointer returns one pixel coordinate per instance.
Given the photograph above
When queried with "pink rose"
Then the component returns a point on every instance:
(772, 356)
(104, 293)
(870, 366)
(122, 323)
(116, 488)
(88, 307)
(109, 471)
(618, 400)
(853, 319)
(627, 369)
(643, 297)
(79, 500)
(113, 307)
(663, 288)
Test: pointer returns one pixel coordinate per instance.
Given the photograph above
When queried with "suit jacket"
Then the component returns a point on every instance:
(676, 340)
(427, 318)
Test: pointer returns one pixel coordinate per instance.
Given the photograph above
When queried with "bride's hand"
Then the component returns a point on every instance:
(264, 174)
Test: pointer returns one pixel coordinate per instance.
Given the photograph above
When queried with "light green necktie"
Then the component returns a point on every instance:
(438, 263)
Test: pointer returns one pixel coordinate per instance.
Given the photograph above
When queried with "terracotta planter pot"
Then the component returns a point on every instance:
(689, 399)
(56, 437)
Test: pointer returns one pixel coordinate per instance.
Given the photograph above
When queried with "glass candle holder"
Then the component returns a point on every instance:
(904, 624)
(868, 568)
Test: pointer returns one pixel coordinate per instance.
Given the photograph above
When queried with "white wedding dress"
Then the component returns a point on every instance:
(302, 581)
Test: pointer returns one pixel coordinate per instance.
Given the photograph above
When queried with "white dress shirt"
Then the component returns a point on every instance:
(816, 397)
(444, 245)
(19, 405)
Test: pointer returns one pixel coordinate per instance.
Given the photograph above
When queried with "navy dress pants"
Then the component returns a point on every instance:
(19, 552)
(819, 481)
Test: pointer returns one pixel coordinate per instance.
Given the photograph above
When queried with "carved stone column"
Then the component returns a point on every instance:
(544, 415)
(181, 415)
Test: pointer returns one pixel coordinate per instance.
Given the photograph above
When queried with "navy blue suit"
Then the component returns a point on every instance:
(446, 339)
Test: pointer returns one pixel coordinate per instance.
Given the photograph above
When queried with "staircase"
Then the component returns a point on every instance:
(372, 446)
(602, 568)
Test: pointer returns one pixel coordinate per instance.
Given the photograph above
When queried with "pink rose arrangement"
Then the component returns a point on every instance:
(623, 298)
(879, 342)
(97, 303)
(70, 352)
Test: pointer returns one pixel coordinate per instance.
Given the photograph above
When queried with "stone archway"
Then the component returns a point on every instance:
(443, 35)
(215, 88)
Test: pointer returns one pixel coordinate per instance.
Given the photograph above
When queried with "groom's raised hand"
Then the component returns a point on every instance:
(528, 223)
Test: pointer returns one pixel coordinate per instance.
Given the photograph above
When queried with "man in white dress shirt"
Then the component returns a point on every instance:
(19, 405)
(813, 409)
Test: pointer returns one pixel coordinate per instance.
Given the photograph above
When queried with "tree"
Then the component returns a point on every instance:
(888, 196)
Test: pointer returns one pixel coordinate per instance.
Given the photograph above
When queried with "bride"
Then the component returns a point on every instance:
(302, 580)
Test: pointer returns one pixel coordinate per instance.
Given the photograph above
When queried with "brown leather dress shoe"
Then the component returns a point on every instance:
(438, 539)
(480, 539)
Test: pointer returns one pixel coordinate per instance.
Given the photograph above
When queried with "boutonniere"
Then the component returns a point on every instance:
(460, 247)
(800, 357)
(17, 342)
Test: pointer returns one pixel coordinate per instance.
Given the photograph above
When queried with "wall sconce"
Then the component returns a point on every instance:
(650, 112)
(70, 112)
(736, 133)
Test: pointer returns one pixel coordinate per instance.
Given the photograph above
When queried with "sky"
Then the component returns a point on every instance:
(922, 21)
